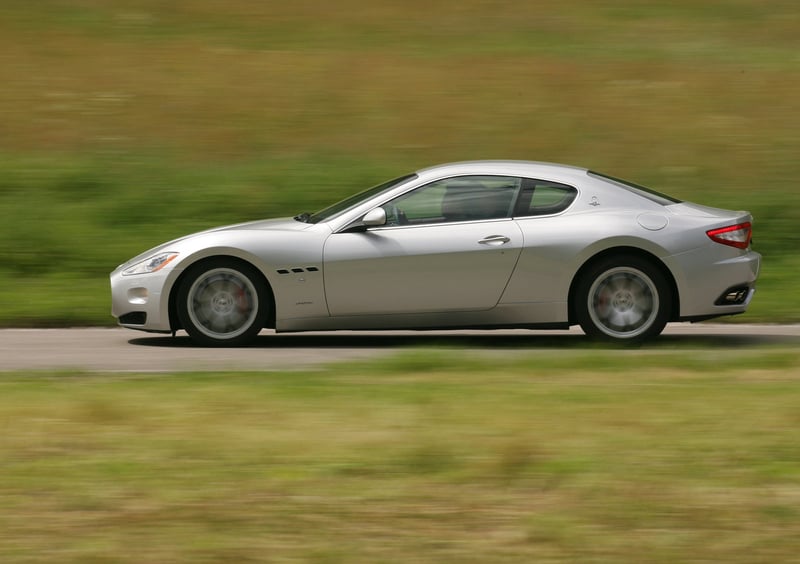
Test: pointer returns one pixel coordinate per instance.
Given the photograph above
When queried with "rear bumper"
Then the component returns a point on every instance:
(724, 287)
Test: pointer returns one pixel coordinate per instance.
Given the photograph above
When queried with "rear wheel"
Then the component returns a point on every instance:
(623, 298)
(223, 302)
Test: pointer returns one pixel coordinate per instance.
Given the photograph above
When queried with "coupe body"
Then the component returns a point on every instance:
(485, 244)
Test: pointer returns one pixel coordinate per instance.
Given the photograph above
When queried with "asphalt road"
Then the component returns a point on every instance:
(123, 350)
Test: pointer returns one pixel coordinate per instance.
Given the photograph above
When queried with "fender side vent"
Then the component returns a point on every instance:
(297, 270)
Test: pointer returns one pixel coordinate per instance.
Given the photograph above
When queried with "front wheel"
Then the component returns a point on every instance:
(623, 299)
(223, 302)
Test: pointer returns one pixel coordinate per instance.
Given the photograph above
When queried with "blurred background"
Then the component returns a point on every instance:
(126, 123)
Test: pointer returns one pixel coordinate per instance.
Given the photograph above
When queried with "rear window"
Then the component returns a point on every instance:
(643, 191)
(541, 197)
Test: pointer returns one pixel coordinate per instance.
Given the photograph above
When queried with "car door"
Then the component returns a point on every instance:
(447, 246)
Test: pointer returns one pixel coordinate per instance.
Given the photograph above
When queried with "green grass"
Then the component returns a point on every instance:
(427, 457)
(127, 123)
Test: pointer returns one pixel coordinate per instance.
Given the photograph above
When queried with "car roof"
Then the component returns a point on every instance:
(533, 169)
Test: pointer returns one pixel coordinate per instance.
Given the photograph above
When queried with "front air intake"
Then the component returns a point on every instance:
(133, 318)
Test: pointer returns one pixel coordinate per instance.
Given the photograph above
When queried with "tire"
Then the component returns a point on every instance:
(223, 302)
(623, 299)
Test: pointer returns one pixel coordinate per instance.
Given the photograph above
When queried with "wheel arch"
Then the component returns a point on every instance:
(624, 251)
(174, 320)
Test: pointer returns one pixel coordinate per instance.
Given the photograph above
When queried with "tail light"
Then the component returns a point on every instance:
(738, 235)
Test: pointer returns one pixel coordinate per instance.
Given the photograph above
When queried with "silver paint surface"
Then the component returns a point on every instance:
(508, 272)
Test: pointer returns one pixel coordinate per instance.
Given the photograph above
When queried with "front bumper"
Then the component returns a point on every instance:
(140, 301)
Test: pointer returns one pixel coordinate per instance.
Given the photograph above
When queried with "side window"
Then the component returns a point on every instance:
(462, 198)
(541, 197)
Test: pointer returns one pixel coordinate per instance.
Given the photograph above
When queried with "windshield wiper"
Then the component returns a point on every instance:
(304, 217)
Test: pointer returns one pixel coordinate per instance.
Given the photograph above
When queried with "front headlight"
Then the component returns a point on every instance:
(152, 264)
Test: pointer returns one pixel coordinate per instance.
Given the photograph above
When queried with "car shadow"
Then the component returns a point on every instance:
(487, 341)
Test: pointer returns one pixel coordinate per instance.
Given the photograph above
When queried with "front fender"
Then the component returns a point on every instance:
(291, 263)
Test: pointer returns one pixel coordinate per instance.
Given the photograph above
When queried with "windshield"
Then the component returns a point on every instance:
(648, 193)
(344, 205)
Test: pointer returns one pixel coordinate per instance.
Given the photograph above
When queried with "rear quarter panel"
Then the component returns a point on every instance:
(555, 248)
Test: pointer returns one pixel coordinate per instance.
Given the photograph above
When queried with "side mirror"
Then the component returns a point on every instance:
(375, 218)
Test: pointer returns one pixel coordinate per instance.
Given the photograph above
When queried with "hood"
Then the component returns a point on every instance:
(281, 224)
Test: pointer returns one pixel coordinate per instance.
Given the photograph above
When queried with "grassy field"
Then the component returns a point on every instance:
(125, 123)
(431, 456)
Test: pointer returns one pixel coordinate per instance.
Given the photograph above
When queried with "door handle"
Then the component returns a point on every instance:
(494, 240)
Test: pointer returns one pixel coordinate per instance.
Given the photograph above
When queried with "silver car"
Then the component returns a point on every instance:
(486, 244)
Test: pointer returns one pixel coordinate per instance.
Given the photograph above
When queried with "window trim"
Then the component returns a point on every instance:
(513, 213)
